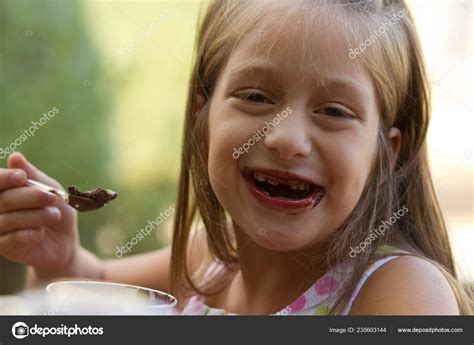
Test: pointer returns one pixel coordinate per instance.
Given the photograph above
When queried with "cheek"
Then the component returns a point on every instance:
(229, 135)
(220, 160)
(226, 133)
(349, 160)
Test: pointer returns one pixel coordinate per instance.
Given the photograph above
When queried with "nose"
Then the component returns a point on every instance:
(289, 137)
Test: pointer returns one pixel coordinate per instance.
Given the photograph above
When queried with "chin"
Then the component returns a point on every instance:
(278, 241)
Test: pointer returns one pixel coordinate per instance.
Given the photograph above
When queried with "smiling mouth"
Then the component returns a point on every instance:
(283, 190)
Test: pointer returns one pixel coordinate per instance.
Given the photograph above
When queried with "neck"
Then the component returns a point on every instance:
(268, 279)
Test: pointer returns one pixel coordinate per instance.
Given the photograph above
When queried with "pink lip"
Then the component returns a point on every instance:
(311, 200)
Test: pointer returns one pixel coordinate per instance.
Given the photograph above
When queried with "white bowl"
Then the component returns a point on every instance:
(103, 298)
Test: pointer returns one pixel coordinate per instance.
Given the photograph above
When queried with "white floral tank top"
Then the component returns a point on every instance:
(317, 300)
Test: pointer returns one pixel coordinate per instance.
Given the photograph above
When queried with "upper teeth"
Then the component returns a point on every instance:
(293, 184)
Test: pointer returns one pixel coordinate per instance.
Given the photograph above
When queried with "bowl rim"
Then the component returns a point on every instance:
(173, 299)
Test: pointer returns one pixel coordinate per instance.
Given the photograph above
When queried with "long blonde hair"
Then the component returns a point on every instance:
(396, 65)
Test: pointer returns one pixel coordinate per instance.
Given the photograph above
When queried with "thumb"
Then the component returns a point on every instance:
(17, 161)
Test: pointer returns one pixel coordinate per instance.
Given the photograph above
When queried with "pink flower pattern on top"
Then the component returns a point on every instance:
(325, 285)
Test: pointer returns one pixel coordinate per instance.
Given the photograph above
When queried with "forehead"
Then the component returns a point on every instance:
(298, 48)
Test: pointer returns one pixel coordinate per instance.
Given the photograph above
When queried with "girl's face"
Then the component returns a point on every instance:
(293, 124)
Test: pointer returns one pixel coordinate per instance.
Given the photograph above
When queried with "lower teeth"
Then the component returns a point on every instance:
(283, 192)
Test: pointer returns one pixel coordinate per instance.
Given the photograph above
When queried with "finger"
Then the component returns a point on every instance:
(17, 161)
(15, 244)
(10, 178)
(28, 219)
(25, 198)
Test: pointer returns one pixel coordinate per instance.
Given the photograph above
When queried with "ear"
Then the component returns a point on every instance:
(395, 137)
(199, 103)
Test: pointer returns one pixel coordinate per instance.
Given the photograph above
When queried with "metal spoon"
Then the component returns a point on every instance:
(79, 203)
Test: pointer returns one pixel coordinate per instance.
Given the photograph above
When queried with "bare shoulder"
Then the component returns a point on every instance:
(406, 285)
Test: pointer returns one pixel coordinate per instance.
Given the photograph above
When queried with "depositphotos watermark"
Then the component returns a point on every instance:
(259, 134)
(142, 35)
(374, 35)
(21, 330)
(380, 231)
(144, 232)
(28, 133)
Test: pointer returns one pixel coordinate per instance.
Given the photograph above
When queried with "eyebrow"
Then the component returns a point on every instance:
(345, 84)
(259, 69)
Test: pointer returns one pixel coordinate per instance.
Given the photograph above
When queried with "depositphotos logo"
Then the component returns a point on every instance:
(21, 330)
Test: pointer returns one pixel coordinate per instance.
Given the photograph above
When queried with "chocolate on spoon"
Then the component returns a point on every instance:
(91, 200)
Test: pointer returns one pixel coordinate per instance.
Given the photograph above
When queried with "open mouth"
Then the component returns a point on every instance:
(283, 189)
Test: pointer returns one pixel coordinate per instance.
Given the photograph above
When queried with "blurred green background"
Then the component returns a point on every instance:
(118, 73)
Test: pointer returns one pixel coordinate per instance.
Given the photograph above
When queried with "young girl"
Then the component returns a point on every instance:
(328, 207)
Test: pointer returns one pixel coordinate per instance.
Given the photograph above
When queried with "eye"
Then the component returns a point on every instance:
(335, 112)
(253, 97)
